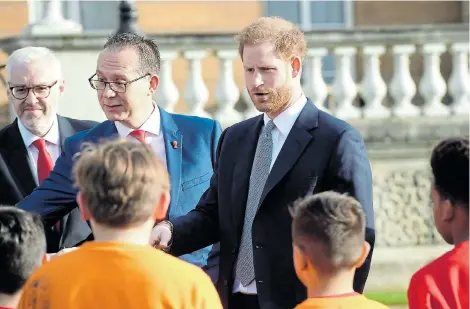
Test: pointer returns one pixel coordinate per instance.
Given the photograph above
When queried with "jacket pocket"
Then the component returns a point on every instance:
(196, 181)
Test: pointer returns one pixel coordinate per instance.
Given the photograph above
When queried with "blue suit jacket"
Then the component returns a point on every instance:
(190, 166)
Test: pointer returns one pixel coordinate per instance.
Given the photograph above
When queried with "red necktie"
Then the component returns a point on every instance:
(45, 164)
(139, 135)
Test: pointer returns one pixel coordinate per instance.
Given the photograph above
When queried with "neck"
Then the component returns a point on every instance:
(461, 237)
(339, 284)
(138, 235)
(140, 118)
(10, 301)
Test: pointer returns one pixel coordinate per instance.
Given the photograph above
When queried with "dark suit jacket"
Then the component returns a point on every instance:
(16, 178)
(321, 153)
(190, 166)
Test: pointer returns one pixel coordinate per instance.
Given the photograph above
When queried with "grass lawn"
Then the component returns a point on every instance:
(389, 298)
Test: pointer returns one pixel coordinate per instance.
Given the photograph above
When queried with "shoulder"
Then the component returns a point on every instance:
(186, 122)
(335, 127)
(78, 124)
(4, 131)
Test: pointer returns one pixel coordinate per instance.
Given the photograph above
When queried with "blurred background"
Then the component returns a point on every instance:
(396, 70)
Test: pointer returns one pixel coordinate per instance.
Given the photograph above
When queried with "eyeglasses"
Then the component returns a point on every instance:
(40, 91)
(120, 87)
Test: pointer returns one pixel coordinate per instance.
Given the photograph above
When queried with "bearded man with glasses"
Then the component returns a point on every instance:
(31, 144)
(126, 78)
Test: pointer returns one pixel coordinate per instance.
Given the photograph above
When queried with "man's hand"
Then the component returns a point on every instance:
(161, 235)
(50, 256)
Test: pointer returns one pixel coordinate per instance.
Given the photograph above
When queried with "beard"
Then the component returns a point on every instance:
(274, 99)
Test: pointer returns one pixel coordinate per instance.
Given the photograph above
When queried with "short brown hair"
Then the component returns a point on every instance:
(333, 220)
(287, 38)
(121, 181)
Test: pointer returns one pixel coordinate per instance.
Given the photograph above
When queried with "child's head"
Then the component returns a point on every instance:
(449, 191)
(328, 232)
(121, 185)
(22, 249)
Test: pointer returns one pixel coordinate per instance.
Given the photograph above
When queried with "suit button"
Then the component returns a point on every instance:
(260, 281)
(225, 282)
(258, 246)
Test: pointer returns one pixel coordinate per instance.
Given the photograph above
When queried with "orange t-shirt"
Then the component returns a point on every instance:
(443, 283)
(111, 275)
(349, 301)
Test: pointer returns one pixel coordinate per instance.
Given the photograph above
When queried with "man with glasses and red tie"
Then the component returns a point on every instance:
(125, 80)
(31, 144)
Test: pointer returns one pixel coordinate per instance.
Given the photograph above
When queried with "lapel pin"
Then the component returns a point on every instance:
(174, 144)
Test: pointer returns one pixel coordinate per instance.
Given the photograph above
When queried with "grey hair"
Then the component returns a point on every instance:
(30, 54)
(149, 55)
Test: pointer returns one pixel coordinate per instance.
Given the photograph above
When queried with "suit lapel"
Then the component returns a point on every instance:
(65, 129)
(174, 154)
(17, 156)
(245, 153)
(299, 137)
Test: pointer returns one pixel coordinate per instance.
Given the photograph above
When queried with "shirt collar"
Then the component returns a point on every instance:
(151, 125)
(52, 136)
(285, 120)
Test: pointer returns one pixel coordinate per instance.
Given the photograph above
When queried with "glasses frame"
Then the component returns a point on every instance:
(110, 84)
(32, 88)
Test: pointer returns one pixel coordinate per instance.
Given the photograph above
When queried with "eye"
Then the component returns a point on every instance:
(250, 70)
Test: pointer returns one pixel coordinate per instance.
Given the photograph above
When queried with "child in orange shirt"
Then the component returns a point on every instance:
(328, 231)
(22, 248)
(123, 191)
(444, 283)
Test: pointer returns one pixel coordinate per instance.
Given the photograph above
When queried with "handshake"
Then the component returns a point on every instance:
(162, 236)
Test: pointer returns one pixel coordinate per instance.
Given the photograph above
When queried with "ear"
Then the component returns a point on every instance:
(296, 65)
(82, 206)
(447, 210)
(365, 253)
(61, 85)
(161, 208)
(154, 82)
(303, 262)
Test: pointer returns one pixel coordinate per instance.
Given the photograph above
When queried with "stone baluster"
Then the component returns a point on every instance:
(344, 88)
(251, 110)
(53, 23)
(402, 87)
(226, 92)
(432, 86)
(373, 87)
(167, 94)
(195, 92)
(315, 88)
(459, 81)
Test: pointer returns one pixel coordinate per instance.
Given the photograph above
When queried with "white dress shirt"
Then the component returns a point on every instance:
(52, 139)
(153, 138)
(284, 123)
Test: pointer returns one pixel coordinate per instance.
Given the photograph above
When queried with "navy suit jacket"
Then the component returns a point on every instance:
(190, 166)
(16, 178)
(320, 153)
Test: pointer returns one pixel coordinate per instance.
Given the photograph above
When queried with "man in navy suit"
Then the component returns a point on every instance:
(35, 86)
(263, 165)
(126, 79)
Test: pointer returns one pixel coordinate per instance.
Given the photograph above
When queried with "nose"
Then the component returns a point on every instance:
(108, 92)
(31, 97)
(258, 80)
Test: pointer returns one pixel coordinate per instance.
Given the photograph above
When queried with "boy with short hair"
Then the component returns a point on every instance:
(328, 232)
(22, 249)
(444, 283)
(123, 190)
